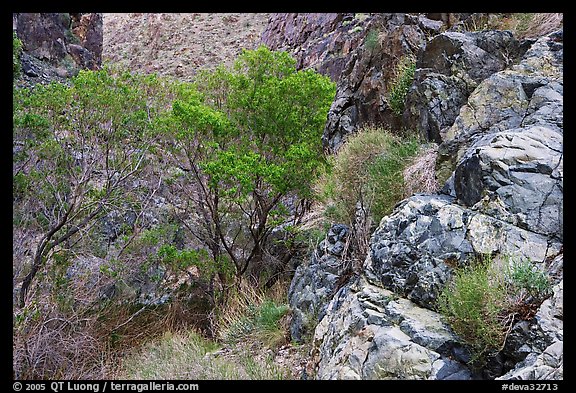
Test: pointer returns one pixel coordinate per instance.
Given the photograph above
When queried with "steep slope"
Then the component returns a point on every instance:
(503, 197)
(178, 44)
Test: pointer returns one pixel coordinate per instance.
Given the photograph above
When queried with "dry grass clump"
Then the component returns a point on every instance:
(420, 175)
(250, 327)
(532, 25)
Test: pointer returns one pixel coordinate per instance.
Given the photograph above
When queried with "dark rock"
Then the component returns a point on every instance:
(448, 70)
(65, 42)
(363, 85)
(314, 283)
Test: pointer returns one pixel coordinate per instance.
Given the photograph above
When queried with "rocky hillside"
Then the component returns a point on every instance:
(56, 45)
(488, 99)
(179, 44)
(494, 104)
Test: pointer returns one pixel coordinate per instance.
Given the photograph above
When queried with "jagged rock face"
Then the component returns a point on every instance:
(414, 250)
(370, 333)
(67, 41)
(336, 45)
(314, 283)
(503, 197)
(321, 41)
(540, 346)
(362, 90)
(505, 147)
(449, 68)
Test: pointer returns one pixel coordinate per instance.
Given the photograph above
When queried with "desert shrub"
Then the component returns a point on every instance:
(248, 139)
(485, 298)
(530, 25)
(400, 83)
(473, 303)
(372, 40)
(420, 173)
(365, 181)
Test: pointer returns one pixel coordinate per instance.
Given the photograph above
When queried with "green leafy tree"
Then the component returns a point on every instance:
(247, 139)
(16, 52)
(76, 148)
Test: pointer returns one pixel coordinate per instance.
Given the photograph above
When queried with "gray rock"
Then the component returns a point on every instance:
(502, 158)
(315, 283)
(400, 341)
(449, 68)
(414, 249)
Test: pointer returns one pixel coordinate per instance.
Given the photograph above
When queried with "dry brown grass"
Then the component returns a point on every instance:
(68, 332)
(532, 25)
(420, 175)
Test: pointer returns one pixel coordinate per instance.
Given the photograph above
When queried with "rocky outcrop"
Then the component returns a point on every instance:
(371, 333)
(502, 163)
(414, 250)
(539, 346)
(449, 68)
(314, 283)
(362, 89)
(57, 45)
(359, 52)
(505, 147)
(322, 41)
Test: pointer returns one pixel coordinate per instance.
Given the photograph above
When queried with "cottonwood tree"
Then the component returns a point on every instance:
(77, 149)
(247, 142)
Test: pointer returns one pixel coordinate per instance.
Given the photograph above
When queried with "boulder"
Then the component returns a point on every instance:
(370, 333)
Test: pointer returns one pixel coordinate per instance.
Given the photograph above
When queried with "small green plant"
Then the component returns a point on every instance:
(372, 40)
(484, 299)
(473, 304)
(16, 51)
(527, 278)
(400, 83)
(356, 29)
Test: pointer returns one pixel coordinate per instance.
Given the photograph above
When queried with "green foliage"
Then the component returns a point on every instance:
(16, 51)
(525, 277)
(250, 135)
(400, 84)
(372, 40)
(366, 170)
(483, 299)
(473, 303)
(268, 317)
(81, 145)
(183, 259)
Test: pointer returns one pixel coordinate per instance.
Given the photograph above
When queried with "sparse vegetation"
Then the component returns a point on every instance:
(372, 40)
(250, 323)
(16, 51)
(365, 179)
(530, 25)
(187, 355)
(485, 298)
(420, 173)
(400, 84)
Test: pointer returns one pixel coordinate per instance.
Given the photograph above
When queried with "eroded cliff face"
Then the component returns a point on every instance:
(57, 45)
(494, 105)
